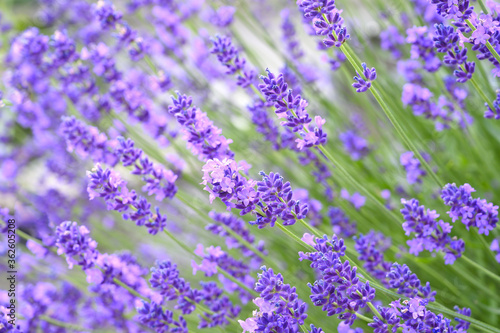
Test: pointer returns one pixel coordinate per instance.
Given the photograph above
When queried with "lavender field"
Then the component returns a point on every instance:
(272, 166)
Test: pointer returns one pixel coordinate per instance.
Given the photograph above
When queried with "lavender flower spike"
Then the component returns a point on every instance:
(280, 309)
(326, 20)
(292, 108)
(203, 138)
(73, 241)
(271, 200)
(107, 184)
(430, 234)
(363, 82)
(476, 213)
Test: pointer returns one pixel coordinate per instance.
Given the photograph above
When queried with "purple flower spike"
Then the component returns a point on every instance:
(280, 309)
(413, 316)
(73, 241)
(472, 212)
(204, 139)
(326, 20)
(107, 184)
(414, 170)
(371, 248)
(407, 283)
(430, 234)
(166, 280)
(459, 10)
(355, 145)
(338, 291)
(228, 55)
(276, 195)
(462, 324)
(107, 14)
(272, 199)
(363, 83)
(340, 222)
(292, 108)
(152, 315)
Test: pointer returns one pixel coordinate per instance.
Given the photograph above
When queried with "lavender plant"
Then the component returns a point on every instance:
(256, 166)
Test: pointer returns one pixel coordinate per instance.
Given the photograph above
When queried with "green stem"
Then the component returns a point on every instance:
(483, 269)
(230, 231)
(375, 311)
(293, 236)
(360, 316)
(480, 92)
(219, 269)
(402, 134)
(130, 290)
(351, 57)
(483, 6)
(59, 323)
(357, 184)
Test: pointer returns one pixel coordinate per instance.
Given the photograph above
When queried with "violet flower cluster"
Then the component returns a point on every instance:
(260, 107)
(413, 167)
(213, 259)
(371, 248)
(74, 242)
(166, 284)
(354, 144)
(87, 141)
(326, 20)
(107, 184)
(341, 223)
(363, 81)
(495, 247)
(165, 280)
(495, 112)
(270, 198)
(429, 234)
(445, 108)
(280, 309)
(472, 212)
(339, 290)
(447, 41)
(203, 138)
(412, 315)
(228, 55)
(292, 108)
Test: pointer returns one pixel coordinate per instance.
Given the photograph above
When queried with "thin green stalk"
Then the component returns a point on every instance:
(351, 57)
(293, 236)
(219, 269)
(63, 324)
(364, 318)
(483, 6)
(483, 269)
(480, 92)
(356, 184)
(402, 134)
(129, 289)
(248, 245)
(375, 311)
